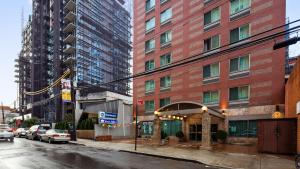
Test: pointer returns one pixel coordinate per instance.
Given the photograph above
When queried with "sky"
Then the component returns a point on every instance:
(10, 42)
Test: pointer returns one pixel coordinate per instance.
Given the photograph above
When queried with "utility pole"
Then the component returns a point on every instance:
(2, 113)
(70, 63)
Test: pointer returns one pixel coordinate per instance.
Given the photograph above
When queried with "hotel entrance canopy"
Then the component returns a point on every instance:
(185, 109)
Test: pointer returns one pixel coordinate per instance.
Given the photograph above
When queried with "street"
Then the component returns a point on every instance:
(27, 154)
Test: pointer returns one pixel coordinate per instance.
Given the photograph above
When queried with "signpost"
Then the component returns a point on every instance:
(139, 102)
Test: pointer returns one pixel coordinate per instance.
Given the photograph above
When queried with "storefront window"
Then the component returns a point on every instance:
(147, 128)
(171, 127)
(243, 128)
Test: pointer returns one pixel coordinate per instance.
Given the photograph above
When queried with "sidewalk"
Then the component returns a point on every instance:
(222, 159)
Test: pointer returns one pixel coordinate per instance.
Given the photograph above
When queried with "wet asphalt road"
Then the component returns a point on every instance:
(27, 154)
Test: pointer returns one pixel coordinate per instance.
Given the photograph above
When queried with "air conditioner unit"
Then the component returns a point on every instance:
(298, 107)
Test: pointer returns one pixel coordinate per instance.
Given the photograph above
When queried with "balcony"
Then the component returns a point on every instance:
(69, 49)
(70, 5)
(69, 28)
(70, 17)
(69, 39)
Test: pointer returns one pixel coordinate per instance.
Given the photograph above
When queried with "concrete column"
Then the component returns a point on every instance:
(156, 131)
(206, 128)
(184, 129)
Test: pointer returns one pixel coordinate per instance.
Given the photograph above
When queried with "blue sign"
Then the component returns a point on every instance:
(108, 121)
(107, 118)
(111, 115)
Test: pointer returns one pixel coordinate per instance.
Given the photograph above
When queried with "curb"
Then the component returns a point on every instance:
(171, 158)
(77, 144)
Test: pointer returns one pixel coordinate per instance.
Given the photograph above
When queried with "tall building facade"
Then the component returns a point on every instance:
(98, 36)
(55, 56)
(239, 86)
(40, 74)
(23, 68)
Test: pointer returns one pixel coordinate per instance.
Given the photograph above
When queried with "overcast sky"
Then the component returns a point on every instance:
(10, 41)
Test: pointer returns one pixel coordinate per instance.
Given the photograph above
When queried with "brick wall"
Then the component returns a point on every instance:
(292, 96)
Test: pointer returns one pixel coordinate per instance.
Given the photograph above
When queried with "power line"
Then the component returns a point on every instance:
(66, 73)
(196, 57)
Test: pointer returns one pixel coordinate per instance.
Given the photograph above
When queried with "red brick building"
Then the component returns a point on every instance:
(292, 98)
(244, 84)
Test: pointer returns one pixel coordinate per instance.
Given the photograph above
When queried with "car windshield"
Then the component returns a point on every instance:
(44, 128)
(59, 131)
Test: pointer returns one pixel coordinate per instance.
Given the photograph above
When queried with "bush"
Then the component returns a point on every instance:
(164, 135)
(62, 125)
(221, 135)
(86, 124)
(30, 122)
(179, 134)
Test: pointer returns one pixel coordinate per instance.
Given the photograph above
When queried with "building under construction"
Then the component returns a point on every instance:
(97, 34)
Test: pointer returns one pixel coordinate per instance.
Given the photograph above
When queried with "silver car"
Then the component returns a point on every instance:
(6, 133)
(20, 132)
(55, 135)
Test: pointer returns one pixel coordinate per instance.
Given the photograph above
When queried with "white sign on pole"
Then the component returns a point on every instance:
(298, 107)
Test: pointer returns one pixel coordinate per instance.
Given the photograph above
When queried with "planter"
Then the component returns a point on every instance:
(104, 138)
(173, 140)
(85, 134)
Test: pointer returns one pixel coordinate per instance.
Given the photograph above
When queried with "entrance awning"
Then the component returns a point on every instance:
(186, 108)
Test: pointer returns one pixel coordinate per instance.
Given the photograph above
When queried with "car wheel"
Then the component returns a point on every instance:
(11, 139)
(297, 161)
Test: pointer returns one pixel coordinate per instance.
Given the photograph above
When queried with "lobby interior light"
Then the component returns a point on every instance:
(169, 116)
(174, 117)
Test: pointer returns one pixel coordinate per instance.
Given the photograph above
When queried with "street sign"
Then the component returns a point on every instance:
(108, 121)
(107, 117)
(140, 102)
(66, 90)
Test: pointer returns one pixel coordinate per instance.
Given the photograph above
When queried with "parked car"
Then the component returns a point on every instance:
(20, 132)
(35, 131)
(6, 133)
(55, 135)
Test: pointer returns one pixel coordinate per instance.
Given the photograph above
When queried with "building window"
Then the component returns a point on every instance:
(150, 4)
(239, 64)
(150, 24)
(165, 16)
(238, 5)
(149, 65)
(149, 105)
(212, 16)
(243, 128)
(150, 86)
(211, 97)
(239, 33)
(165, 101)
(149, 45)
(165, 82)
(212, 43)
(165, 59)
(239, 93)
(211, 70)
(165, 38)
(171, 127)
(147, 128)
